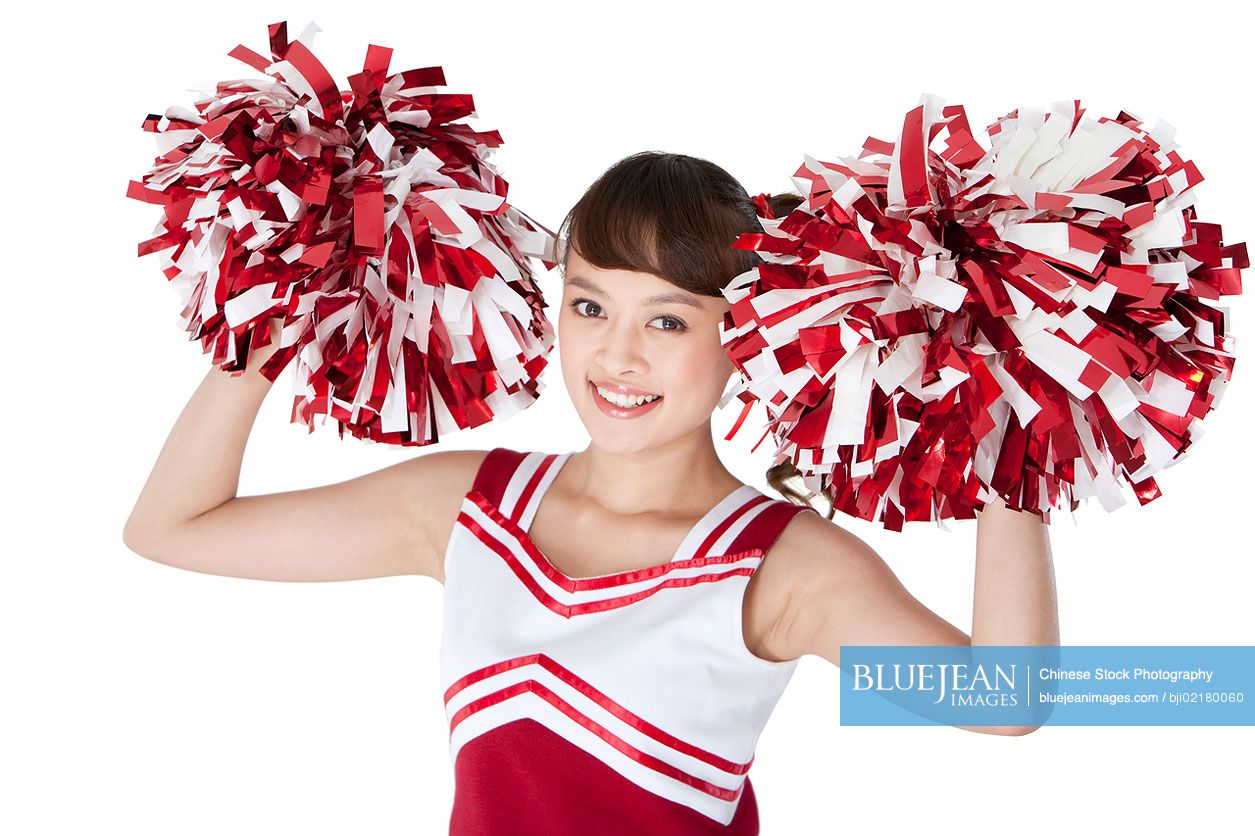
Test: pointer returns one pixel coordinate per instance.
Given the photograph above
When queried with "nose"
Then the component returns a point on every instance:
(621, 350)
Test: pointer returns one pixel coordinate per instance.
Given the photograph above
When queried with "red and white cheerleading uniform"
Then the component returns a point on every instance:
(622, 703)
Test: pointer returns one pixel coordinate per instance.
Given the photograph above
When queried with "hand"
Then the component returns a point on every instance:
(257, 357)
(276, 328)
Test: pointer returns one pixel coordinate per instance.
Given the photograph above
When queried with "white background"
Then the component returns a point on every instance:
(148, 700)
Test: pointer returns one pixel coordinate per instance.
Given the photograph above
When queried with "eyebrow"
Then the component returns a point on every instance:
(657, 299)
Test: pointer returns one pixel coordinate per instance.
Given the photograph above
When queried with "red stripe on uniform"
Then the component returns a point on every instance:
(602, 581)
(727, 523)
(573, 585)
(638, 723)
(530, 487)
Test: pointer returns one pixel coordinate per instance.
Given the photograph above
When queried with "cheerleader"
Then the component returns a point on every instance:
(619, 621)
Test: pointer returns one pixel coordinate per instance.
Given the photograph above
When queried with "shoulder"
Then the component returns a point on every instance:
(806, 569)
(435, 484)
(454, 472)
(439, 483)
(447, 469)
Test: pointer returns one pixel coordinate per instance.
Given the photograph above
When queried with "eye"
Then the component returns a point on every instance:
(678, 325)
(575, 305)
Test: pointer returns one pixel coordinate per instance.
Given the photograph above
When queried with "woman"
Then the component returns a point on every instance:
(611, 653)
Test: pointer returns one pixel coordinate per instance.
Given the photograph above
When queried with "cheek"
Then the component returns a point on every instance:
(701, 373)
(571, 348)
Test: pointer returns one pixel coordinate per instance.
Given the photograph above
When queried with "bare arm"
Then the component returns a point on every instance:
(1015, 602)
(390, 522)
(828, 588)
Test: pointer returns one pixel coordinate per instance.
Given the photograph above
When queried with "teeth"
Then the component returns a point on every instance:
(625, 401)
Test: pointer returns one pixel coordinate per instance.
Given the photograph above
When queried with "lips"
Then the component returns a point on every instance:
(621, 388)
(615, 411)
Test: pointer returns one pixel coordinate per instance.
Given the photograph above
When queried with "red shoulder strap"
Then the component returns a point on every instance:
(495, 472)
(763, 531)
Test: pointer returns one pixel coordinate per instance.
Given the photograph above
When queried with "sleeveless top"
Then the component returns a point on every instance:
(622, 703)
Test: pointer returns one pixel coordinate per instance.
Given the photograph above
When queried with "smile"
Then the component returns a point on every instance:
(619, 409)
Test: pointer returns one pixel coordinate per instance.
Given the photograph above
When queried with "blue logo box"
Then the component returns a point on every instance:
(1006, 685)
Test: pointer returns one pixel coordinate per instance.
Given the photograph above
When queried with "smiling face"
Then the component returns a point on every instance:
(635, 332)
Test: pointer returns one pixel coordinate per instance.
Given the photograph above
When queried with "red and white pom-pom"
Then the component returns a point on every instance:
(372, 224)
(932, 328)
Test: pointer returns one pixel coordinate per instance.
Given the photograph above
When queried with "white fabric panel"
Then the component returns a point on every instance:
(677, 658)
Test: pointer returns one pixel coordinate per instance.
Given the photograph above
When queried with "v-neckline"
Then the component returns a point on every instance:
(524, 531)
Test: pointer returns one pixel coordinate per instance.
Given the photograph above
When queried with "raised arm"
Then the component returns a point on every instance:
(823, 587)
(393, 521)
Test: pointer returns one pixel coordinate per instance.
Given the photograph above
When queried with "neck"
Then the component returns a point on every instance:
(683, 477)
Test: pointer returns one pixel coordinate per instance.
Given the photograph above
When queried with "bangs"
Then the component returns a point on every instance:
(667, 214)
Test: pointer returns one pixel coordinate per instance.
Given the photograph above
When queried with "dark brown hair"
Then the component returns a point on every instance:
(676, 217)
